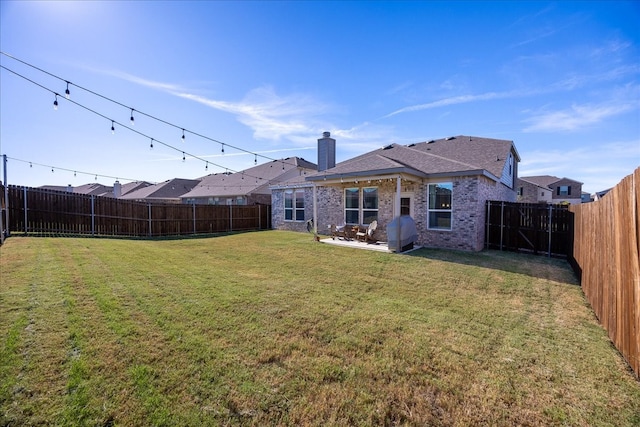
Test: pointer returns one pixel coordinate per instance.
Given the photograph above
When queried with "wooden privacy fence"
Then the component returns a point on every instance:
(39, 211)
(525, 227)
(606, 251)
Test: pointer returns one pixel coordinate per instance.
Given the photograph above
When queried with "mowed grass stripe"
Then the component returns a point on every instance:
(272, 328)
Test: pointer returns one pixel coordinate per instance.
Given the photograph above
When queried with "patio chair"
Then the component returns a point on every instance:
(339, 231)
(366, 235)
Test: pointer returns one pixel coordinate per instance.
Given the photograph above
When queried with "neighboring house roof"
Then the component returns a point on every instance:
(55, 187)
(94, 189)
(545, 180)
(171, 189)
(463, 155)
(132, 186)
(255, 180)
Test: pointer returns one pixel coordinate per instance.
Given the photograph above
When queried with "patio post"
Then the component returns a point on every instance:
(397, 212)
(315, 209)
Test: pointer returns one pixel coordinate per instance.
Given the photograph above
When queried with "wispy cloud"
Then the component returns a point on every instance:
(270, 115)
(461, 99)
(597, 166)
(577, 117)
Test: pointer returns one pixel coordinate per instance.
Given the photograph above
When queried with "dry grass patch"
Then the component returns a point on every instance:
(272, 328)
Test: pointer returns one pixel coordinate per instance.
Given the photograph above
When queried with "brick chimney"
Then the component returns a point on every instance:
(326, 152)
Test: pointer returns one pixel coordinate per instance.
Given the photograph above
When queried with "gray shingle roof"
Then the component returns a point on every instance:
(171, 189)
(460, 154)
(255, 180)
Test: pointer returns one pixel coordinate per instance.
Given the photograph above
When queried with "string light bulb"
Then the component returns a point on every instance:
(222, 148)
(30, 164)
(113, 129)
(151, 144)
(67, 94)
(55, 103)
(52, 170)
(133, 122)
(183, 135)
(206, 166)
(183, 157)
(255, 159)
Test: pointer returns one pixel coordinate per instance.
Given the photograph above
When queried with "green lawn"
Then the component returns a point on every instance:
(271, 328)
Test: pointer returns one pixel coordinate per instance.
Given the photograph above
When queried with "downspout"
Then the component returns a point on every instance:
(397, 211)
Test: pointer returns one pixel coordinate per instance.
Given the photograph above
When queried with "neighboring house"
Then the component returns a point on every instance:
(165, 192)
(249, 187)
(442, 184)
(600, 194)
(549, 189)
(97, 189)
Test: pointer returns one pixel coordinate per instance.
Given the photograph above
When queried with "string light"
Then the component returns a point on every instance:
(67, 94)
(206, 166)
(222, 148)
(132, 119)
(255, 160)
(30, 164)
(151, 145)
(120, 104)
(55, 103)
(52, 170)
(183, 157)
(132, 109)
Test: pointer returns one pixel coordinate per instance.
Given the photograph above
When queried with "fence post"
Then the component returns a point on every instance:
(259, 217)
(93, 215)
(194, 217)
(25, 210)
(501, 223)
(150, 229)
(550, 225)
(230, 217)
(486, 231)
(6, 197)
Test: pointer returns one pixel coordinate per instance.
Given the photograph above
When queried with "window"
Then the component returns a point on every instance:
(520, 191)
(369, 205)
(294, 205)
(564, 190)
(351, 205)
(357, 208)
(439, 209)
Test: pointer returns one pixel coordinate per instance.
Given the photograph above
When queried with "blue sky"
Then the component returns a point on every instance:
(560, 79)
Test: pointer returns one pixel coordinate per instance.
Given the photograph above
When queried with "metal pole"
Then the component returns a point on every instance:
(550, 226)
(501, 224)
(25, 210)
(93, 215)
(397, 209)
(6, 196)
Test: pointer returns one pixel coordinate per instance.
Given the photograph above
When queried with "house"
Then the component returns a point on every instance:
(97, 189)
(442, 184)
(549, 189)
(169, 191)
(247, 187)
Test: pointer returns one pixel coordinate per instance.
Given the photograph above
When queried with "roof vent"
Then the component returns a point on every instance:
(431, 141)
(411, 145)
(388, 147)
(449, 138)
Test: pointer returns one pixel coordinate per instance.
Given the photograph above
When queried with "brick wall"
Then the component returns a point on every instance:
(468, 226)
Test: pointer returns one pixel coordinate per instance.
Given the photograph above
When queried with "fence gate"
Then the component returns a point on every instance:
(524, 227)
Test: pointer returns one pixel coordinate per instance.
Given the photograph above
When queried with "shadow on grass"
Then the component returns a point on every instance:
(537, 266)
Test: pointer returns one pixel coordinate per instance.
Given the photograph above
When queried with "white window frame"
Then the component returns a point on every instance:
(447, 209)
(294, 209)
(360, 208)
